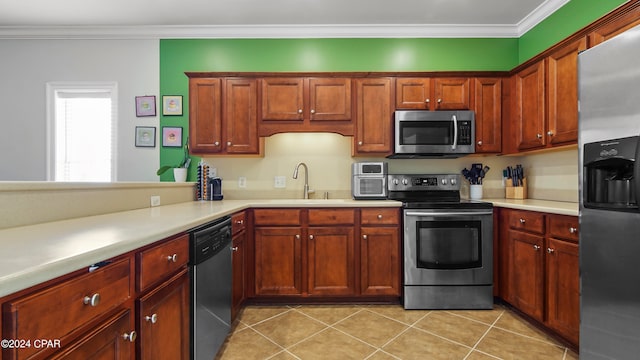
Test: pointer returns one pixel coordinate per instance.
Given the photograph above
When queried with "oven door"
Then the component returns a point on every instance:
(448, 247)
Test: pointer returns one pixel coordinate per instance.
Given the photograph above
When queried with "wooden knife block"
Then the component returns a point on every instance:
(516, 192)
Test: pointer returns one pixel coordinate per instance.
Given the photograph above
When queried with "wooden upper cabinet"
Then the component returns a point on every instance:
(488, 110)
(240, 123)
(297, 104)
(433, 93)
(528, 112)
(205, 115)
(374, 116)
(621, 24)
(562, 93)
(223, 116)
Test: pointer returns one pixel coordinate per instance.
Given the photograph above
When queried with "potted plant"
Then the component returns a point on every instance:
(179, 171)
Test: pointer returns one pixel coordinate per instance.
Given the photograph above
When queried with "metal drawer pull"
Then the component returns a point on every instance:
(92, 300)
(310, 237)
(235, 248)
(573, 230)
(153, 318)
(365, 237)
(131, 337)
(416, 213)
(536, 247)
(297, 237)
(240, 222)
(172, 258)
(379, 216)
(550, 250)
(522, 221)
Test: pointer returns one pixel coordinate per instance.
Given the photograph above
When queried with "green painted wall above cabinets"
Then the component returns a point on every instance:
(573, 16)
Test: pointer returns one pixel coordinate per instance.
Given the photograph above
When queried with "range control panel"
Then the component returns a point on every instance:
(420, 182)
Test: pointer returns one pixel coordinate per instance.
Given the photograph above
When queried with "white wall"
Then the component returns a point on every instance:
(27, 65)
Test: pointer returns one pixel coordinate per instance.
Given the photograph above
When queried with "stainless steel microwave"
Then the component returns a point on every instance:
(369, 180)
(433, 134)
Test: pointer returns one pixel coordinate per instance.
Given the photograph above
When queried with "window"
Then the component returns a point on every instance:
(81, 131)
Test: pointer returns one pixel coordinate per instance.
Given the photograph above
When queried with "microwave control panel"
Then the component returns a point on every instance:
(464, 132)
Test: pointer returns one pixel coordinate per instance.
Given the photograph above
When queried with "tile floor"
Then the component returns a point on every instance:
(385, 332)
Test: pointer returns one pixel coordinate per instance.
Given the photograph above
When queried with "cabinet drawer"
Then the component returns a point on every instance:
(162, 260)
(56, 312)
(563, 227)
(238, 222)
(271, 217)
(331, 217)
(527, 221)
(380, 216)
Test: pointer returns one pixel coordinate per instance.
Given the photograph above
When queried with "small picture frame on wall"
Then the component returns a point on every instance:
(172, 105)
(145, 105)
(145, 136)
(171, 136)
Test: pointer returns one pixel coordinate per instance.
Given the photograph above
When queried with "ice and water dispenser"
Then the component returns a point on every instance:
(611, 176)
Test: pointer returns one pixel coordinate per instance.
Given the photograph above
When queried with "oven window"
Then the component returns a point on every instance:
(449, 244)
(371, 186)
(426, 133)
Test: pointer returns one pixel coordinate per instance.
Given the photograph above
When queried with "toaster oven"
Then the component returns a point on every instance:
(369, 180)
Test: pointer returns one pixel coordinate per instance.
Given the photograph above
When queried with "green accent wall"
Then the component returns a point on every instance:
(570, 18)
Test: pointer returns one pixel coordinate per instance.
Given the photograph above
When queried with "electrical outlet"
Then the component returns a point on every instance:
(280, 182)
(213, 172)
(155, 200)
(242, 182)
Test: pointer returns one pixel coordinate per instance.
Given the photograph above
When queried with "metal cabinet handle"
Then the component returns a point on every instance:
(299, 111)
(427, 101)
(479, 142)
(92, 300)
(297, 237)
(235, 248)
(359, 142)
(240, 222)
(153, 318)
(439, 101)
(550, 250)
(522, 221)
(573, 230)
(228, 143)
(131, 337)
(310, 237)
(172, 258)
(550, 133)
(216, 143)
(379, 216)
(539, 136)
(536, 247)
(365, 237)
(313, 111)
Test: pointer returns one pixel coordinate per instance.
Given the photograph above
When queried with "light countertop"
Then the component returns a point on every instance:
(37, 253)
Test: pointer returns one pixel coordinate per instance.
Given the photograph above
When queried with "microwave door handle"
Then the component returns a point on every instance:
(455, 132)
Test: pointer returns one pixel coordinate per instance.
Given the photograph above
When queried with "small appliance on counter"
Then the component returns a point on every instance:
(369, 180)
(207, 187)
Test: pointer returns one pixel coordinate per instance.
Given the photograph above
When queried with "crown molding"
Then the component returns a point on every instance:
(539, 14)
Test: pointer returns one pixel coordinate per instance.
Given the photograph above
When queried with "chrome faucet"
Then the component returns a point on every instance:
(306, 179)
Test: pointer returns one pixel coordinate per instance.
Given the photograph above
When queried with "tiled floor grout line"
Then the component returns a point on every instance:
(474, 348)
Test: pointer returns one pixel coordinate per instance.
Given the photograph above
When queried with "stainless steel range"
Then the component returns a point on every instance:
(448, 243)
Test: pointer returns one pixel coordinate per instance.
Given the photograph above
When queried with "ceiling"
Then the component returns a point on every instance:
(272, 18)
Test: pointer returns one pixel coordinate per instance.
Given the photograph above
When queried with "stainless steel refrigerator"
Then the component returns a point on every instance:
(609, 153)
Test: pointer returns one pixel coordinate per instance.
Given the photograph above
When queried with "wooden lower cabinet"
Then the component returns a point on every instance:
(331, 261)
(278, 261)
(113, 340)
(380, 261)
(163, 320)
(541, 268)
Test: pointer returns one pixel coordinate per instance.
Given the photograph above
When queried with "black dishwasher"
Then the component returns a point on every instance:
(210, 287)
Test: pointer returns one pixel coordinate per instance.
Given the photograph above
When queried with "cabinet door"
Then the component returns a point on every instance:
(527, 273)
(163, 318)
(529, 111)
(331, 261)
(562, 93)
(329, 99)
(112, 340)
(488, 109)
(451, 94)
(282, 99)
(563, 288)
(278, 261)
(238, 273)
(413, 93)
(380, 261)
(374, 117)
(205, 115)
(240, 116)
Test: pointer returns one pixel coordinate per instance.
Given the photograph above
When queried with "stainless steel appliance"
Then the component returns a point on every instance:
(210, 287)
(448, 244)
(609, 153)
(369, 180)
(433, 134)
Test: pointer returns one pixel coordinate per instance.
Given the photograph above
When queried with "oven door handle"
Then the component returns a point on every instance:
(421, 213)
(455, 132)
